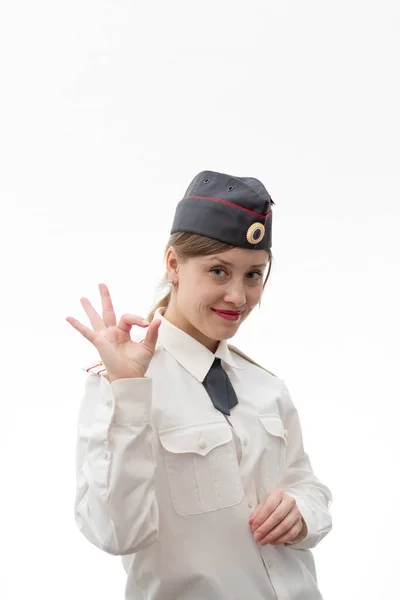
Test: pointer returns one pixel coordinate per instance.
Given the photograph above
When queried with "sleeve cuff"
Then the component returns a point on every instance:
(312, 537)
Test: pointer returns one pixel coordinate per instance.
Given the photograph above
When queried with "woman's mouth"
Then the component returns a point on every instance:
(228, 315)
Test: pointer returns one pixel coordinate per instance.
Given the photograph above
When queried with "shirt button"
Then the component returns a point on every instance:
(245, 441)
(106, 455)
(270, 563)
(202, 444)
(285, 433)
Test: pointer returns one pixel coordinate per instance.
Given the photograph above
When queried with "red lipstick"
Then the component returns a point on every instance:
(229, 315)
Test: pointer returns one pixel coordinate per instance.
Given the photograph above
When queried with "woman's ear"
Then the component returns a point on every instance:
(171, 264)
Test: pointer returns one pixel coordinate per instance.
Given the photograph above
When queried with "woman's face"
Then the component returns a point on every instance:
(215, 294)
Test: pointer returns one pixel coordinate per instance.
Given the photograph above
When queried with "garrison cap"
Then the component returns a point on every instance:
(234, 210)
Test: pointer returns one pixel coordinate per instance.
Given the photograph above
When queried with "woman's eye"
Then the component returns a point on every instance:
(217, 271)
(254, 275)
(257, 274)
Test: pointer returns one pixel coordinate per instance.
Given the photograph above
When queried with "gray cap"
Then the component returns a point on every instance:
(234, 210)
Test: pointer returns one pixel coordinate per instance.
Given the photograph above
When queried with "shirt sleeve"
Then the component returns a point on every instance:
(115, 502)
(313, 498)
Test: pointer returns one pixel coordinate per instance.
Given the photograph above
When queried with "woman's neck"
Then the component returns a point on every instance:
(175, 317)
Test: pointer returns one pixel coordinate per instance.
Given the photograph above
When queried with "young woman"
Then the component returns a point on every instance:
(190, 457)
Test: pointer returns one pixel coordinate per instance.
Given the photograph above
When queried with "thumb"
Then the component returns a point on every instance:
(150, 340)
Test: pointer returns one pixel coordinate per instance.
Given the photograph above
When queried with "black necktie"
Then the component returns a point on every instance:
(219, 388)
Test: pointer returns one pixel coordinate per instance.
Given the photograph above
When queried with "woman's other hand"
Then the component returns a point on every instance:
(278, 520)
(121, 356)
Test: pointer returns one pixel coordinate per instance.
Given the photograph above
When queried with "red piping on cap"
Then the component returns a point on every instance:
(232, 204)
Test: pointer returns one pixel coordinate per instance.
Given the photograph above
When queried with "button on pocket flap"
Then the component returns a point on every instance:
(199, 440)
(274, 426)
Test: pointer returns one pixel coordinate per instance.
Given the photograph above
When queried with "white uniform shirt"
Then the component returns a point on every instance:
(167, 483)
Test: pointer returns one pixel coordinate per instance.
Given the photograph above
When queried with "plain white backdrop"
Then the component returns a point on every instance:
(108, 110)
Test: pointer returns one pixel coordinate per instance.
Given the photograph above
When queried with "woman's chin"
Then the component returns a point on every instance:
(223, 329)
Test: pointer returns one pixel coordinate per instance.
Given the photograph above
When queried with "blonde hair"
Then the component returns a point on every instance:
(189, 245)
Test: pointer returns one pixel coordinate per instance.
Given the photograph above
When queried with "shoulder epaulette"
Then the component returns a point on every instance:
(243, 355)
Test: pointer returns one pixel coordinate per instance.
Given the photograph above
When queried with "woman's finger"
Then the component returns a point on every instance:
(283, 528)
(291, 535)
(150, 340)
(109, 318)
(277, 517)
(95, 319)
(255, 513)
(271, 503)
(85, 331)
(127, 321)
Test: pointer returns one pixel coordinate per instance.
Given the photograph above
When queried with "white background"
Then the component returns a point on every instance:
(108, 110)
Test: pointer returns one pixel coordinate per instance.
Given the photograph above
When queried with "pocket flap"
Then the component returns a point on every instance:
(199, 439)
(274, 426)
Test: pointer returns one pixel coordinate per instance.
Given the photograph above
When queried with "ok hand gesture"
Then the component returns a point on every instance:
(121, 356)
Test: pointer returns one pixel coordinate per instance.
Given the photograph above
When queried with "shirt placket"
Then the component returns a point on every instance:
(251, 495)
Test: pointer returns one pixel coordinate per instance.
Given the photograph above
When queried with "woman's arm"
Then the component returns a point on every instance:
(313, 498)
(115, 503)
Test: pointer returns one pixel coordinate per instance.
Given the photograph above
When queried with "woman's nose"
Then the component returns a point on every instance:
(235, 294)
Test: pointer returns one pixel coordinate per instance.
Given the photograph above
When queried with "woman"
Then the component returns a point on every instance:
(190, 459)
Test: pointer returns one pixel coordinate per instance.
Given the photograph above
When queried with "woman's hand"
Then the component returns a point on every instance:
(278, 520)
(121, 356)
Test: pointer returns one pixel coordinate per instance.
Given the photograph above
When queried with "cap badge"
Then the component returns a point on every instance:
(255, 233)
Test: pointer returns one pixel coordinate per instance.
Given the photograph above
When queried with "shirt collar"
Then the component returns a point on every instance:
(191, 354)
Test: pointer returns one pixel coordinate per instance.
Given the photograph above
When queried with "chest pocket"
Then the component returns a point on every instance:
(202, 468)
(274, 451)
